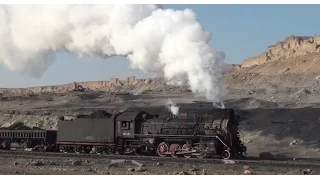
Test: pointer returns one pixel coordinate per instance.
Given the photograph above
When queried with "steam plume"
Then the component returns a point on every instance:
(173, 107)
(162, 42)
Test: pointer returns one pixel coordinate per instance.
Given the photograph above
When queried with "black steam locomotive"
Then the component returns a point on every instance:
(194, 131)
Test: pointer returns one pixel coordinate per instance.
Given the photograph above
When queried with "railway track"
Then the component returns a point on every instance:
(249, 161)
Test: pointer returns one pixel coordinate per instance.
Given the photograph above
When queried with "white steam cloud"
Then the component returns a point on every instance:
(173, 107)
(163, 42)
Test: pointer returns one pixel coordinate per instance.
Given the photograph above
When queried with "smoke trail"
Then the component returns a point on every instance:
(163, 42)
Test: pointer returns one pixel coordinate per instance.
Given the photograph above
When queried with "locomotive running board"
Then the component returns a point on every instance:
(165, 135)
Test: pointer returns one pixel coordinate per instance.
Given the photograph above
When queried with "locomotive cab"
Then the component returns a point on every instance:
(126, 128)
(126, 125)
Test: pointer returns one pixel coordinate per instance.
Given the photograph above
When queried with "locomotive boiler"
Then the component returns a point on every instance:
(200, 132)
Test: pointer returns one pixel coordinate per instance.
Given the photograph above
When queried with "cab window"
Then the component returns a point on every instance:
(125, 125)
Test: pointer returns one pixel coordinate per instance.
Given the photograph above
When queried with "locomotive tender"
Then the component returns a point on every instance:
(194, 131)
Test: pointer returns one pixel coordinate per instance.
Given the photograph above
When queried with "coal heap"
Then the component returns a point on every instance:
(96, 114)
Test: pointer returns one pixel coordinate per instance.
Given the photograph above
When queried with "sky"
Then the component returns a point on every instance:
(241, 31)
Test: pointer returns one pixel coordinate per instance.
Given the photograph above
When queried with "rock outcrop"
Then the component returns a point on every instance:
(89, 85)
(293, 46)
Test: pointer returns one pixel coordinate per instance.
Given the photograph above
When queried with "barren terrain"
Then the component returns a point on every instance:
(276, 93)
(77, 166)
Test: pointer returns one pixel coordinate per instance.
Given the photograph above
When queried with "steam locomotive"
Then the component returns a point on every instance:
(193, 132)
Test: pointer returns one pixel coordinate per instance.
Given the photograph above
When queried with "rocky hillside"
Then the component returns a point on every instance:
(295, 54)
(294, 62)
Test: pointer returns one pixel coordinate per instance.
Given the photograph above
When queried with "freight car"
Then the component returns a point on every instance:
(200, 132)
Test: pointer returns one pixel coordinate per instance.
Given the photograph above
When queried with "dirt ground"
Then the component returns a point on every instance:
(56, 166)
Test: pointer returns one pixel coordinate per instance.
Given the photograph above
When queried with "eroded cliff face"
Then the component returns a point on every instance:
(79, 86)
(291, 47)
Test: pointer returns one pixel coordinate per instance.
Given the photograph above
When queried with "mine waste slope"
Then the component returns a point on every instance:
(276, 93)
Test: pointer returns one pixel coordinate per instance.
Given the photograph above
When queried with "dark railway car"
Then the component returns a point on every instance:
(43, 140)
(195, 131)
(86, 133)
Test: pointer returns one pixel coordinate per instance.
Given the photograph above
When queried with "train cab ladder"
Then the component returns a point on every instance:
(119, 143)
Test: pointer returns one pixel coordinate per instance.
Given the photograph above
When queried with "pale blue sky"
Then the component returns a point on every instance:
(241, 31)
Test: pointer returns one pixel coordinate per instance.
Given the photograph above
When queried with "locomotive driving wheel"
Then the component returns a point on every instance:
(186, 147)
(173, 149)
(162, 149)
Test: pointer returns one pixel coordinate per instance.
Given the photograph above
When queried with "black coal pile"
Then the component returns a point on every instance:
(96, 114)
